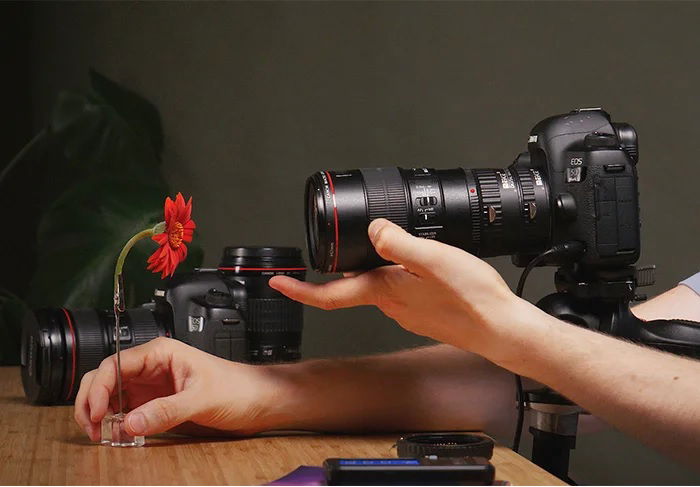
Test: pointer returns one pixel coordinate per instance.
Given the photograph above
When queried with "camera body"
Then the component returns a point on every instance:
(229, 311)
(233, 315)
(590, 166)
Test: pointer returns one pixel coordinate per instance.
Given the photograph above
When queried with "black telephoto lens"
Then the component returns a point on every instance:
(487, 212)
(59, 346)
(274, 322)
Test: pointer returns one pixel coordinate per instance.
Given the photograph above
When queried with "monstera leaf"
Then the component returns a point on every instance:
(81, 235)
(110, 129)
(100, 182)
(12, 311)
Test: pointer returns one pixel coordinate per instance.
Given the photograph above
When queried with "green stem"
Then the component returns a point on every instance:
(159, 228)
(22, 153)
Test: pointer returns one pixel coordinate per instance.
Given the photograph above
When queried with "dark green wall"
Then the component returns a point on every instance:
(255, 97)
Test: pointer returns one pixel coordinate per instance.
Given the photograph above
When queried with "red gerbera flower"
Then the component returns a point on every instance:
(179, 228)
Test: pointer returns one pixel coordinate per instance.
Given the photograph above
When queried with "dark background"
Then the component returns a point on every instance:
(255, 97)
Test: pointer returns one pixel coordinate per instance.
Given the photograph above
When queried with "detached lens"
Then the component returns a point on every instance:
(59, 346)
(274, 323)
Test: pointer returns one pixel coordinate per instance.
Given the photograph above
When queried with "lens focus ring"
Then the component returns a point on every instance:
(91, 341)
(527, 186)
(144, 326)
(386, 195)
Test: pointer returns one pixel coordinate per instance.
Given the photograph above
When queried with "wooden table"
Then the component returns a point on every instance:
(43, 445)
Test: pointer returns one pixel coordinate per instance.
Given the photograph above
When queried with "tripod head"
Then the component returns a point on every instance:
(598, 299)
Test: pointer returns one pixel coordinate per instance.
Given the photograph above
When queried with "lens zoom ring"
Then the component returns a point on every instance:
(386, 195)
(490, 197)
(144, 327)
(274, 315)
(474, 210)
(528, 190)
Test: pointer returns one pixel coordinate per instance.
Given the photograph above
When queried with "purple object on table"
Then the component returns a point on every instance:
(303, 475)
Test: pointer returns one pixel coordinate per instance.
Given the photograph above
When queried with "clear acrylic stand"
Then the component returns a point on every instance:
(113, 433)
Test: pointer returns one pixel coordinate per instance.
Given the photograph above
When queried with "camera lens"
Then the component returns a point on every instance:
(274, 322)
(59, 346)
(487, 212)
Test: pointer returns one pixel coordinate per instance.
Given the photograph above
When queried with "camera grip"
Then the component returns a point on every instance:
(681, 337)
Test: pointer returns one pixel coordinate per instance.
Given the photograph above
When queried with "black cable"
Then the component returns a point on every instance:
(572, 248)
(519, 393)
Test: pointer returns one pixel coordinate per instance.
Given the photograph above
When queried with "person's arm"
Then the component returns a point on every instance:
(432, 388)
(681, 302)
(646, 393)
(450, 295)
(170, 385)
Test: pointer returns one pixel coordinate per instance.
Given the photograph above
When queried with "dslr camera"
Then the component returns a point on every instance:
(577, 182)
(230, 312)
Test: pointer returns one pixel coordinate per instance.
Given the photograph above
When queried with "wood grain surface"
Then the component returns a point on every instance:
(43, 445)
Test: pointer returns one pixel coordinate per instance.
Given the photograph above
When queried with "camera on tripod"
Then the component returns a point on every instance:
(571, 201)
(577, 182)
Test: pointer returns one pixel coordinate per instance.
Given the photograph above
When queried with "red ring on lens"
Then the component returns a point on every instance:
(72, 334)
(335, 221)
(237, 268)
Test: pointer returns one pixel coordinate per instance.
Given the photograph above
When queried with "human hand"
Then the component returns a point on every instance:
(169, 384)
(434, 290)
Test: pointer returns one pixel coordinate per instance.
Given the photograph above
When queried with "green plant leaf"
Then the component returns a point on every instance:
(12, 310)
(96, 139)
(81, 235)
(111, 129)
(138, 112)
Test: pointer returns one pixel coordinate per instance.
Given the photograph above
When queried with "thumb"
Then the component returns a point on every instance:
(159, 415)
(417, 255)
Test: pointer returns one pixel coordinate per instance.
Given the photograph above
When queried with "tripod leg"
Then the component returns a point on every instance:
(551, 452)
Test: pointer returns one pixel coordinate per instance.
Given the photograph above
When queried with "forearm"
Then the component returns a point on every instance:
(431, 388)
(646, 393)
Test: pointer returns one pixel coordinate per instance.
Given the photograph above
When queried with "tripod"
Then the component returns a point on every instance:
(597, 299)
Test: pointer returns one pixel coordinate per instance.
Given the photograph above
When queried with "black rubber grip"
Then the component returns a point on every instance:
(143, 325)
(272, 315)
(386, 195)
(92, 345)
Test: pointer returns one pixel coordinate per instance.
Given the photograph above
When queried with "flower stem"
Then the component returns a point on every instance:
(125, 251)
(149, 232)
(119, 298)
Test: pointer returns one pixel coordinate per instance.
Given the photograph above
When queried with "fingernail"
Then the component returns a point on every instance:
(137, 423)
(374, 227)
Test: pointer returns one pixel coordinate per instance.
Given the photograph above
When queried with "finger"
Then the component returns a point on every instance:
(134, 362)
(352, 274)
(82, 407)
(160, 414)
(418, 255)
(341, 293)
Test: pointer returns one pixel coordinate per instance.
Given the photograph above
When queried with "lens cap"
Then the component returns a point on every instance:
(445, 445)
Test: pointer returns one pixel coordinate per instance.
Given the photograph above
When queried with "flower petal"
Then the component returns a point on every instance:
(180, 208)
(160, 238)
(188, 211)
(169, 210)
